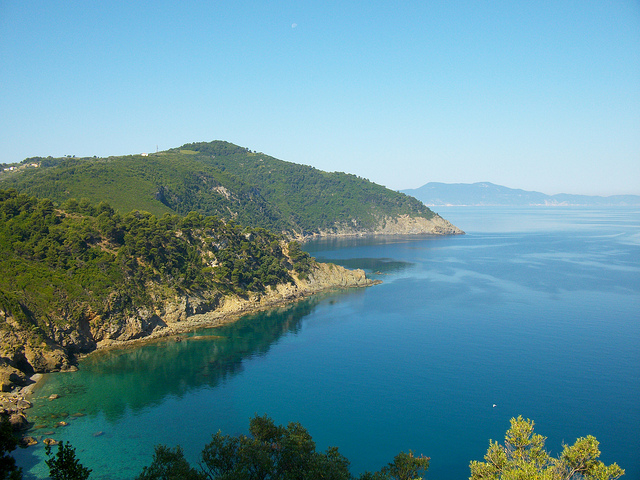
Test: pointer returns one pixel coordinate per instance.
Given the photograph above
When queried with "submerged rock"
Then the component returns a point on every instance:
(28, 441)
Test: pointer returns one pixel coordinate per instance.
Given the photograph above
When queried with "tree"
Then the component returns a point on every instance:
(64, 465)
(406, 467)
(523, 457)
(169, 464)
(271, 452)
(8, 443)
(301, 260)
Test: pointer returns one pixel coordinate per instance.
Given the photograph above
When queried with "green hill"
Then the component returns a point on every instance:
(221, 179)
(80, 274)
(96, 250)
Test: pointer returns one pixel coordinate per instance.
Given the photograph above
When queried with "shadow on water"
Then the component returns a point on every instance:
(375, 265)
(347, 243)
(347, 251)
(134, 378)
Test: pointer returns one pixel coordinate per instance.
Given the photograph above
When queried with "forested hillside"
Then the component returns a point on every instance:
(222, 179)
(75, 275)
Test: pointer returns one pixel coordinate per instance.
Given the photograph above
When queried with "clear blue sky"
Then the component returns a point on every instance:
(539, 95)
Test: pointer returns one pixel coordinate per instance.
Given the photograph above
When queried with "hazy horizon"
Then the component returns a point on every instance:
(515, 188)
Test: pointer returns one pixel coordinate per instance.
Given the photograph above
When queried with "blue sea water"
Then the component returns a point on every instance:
(535, 310)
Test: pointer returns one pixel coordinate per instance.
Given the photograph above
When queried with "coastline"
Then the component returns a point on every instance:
(326, 277)
(184, 315)
(401, 225)
(14, 405)
(188, 313)
(232, 307)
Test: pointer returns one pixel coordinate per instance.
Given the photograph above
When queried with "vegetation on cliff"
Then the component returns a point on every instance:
(221, 179)
(68, 269)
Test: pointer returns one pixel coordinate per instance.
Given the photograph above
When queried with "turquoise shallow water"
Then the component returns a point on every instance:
(534, 310)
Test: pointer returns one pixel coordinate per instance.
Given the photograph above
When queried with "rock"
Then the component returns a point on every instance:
(50, 441)
(98, 434)
(406, 225)
(53, 396)
(398, 225)
(77, 415)
(10, 377)
(23, 404)
(52, 359)
(18, 421)
(28, 441)
(5, 385)
(61, 424)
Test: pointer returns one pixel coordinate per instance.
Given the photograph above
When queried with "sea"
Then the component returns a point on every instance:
(534, 312)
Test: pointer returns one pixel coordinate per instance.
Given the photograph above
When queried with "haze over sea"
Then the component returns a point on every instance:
(535, 310)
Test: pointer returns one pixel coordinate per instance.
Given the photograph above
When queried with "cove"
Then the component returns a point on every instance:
(534, 310)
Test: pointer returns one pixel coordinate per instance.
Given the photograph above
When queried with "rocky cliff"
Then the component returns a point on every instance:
(399, 225)
(22, 354)
(187, 313)
(406, 225)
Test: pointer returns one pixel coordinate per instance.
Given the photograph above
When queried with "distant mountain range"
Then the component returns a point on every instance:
(486, 193)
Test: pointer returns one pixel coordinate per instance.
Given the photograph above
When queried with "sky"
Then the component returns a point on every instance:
(538, 95)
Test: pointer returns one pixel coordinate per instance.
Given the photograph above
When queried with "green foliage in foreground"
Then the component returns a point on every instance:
(8, 443)
(170, 464)
(84, 261)
(523, 457)
(63, 465)
(271, 452)
(221, 179)
(274, 452)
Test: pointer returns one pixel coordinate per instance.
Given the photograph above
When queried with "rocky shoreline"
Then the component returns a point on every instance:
(22, 362)
(229, 309)
(400, 225)
(187, 314)
(13, 404)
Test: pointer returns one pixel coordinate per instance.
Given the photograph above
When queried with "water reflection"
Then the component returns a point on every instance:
(342, 243)
(372, 265)
(347, 251)
(142, 376)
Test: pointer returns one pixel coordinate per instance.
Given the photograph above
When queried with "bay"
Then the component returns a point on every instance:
(535, 310)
